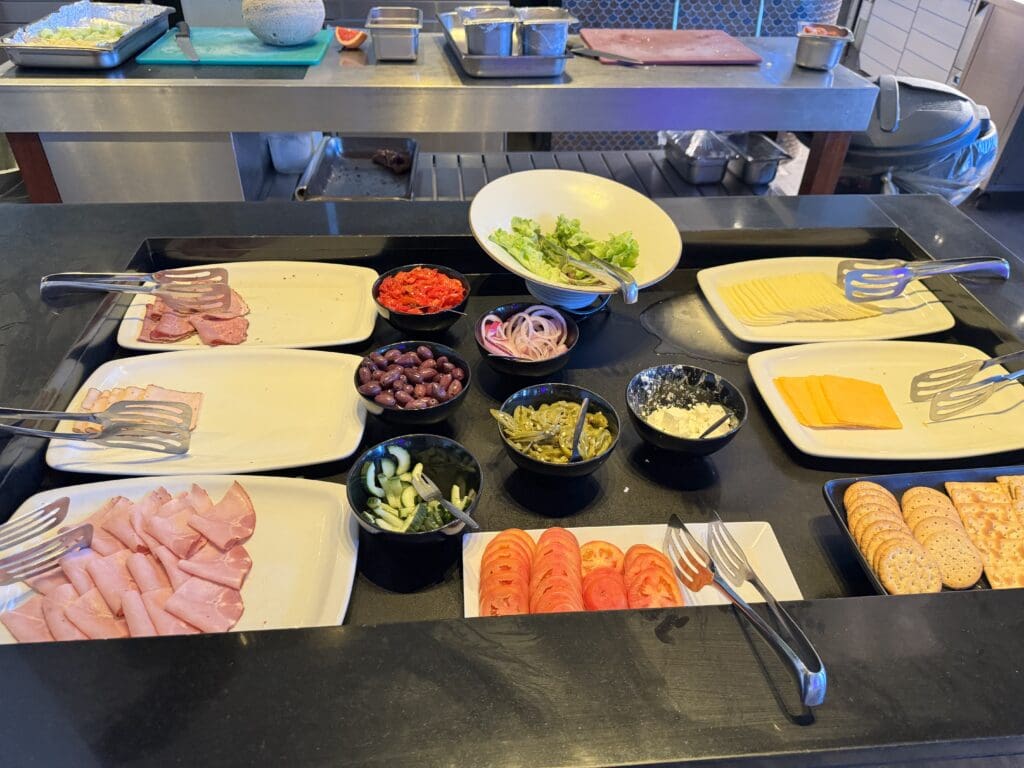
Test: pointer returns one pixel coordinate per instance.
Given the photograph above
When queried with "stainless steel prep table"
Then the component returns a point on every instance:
(141, 127)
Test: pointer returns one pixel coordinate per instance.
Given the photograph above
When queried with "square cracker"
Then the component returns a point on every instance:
(966, 493)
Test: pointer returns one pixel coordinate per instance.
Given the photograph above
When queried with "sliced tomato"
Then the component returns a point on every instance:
(505, 548)
(604, 590)
(510, 566)
(558, 533)
(557, 550)
(653, 588)
(504, 601)
(644, 561)
(561, 570)
(600, 554)
(634, 551)
(520, 536)
(557, 598)
(349, 38)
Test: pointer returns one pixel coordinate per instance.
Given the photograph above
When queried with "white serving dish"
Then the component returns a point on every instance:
(263, 409)
(915, 313)
(993, 428)
(293, 304)
(757, 539)
(303, 549)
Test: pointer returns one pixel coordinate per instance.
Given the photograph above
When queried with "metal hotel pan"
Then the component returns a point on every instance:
(343, 169)
(148, 22)
(497, 66)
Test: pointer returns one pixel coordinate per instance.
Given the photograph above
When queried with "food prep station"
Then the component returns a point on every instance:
(398, 650)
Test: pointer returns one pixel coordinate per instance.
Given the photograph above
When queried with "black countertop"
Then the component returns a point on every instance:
(910, 678)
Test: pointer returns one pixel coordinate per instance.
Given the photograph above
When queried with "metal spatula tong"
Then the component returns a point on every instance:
(194, 289)
(866, 280)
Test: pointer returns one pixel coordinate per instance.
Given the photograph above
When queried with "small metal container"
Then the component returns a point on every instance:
(489, 29)
(343, 168)
(544, 31)
(497, 66)
(821, 46)
(396, 32)
(700, 157)
(757, 159)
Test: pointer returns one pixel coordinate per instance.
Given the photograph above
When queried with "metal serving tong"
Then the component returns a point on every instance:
(192, 289)
(957, 400)
(33, 523)
(156, 426)
(866, 280)
(43, 557)
(697, 569)
(602, 271)
(927, 385)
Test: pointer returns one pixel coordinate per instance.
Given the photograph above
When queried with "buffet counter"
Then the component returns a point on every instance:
(406, 680)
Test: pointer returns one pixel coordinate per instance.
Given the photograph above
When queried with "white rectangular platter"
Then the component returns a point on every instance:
(993, 428)
(915, 313)
(757, 539)
(303, 549)
(263, 409)
(292, 304)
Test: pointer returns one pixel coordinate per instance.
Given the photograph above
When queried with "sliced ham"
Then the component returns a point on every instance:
(53, 612)
(171, 327)
(165, 623)
(227, 568)
(89, 401)
(102, 541)
(49, 582)
(26, 622)
(118, 523)
(216, 333)
(147, 572)
(193, 399)
(74, 567)
(136, 616)
(148, 506)
(230, 522)
(112, 578)
(91, 614)
(237, 308)
(170, 561)
(199, 499)
(174, 532)
(205, 605)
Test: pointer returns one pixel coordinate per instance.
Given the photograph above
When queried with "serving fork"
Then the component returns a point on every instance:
(33, 523)
(187, 290)
(427, 490)
(966, 397)
(867, 280)
(43, 557)
(696, 569)
(162, 427)
(927, 385)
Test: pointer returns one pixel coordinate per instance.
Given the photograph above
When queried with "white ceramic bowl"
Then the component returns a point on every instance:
(604, 208)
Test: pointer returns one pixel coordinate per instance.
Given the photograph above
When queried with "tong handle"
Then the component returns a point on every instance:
(98, 277)
(19, 413)
(812, 684)
(46, 433)
(1002, 359)
(986, 266)
(810, 653)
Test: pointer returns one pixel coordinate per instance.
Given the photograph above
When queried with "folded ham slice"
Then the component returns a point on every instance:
(74, 565)
(91, 614)
(102, 541)
(136, 616)
(26, 622)
(237, 308)
(162, 394)
(170, 327)
(147, 506)
(170, 561)
(198, 498)
(216, 333)
(227, 568)
(147, 572)
(112, 578)
(53, 612)
(230, 521)
(49, 581)
(205, 605)
(118, 522)
(165, 623)
(174, 532)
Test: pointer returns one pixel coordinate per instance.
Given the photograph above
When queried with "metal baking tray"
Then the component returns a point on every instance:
(343, 169)
(497, 66)
(897, 485)
(147, 22)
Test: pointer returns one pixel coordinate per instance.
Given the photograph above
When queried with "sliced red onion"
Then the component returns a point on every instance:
(536, 333)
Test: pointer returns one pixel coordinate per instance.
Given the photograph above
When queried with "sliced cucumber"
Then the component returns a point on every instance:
(393, 490)
(388, 467)
(381, 523)
(370, 480)
(402, 457)
(456, 496)
(405, 477)
(409, 496)
(391, 519)
(417, 518)
(417, 470)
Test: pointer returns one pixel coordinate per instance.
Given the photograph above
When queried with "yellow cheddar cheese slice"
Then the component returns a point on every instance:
(837, 401)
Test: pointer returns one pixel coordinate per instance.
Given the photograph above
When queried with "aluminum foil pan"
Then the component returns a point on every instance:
(81, 14)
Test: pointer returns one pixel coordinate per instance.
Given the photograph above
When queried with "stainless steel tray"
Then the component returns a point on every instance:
(343, 169)
(497, 66)
(147, 22)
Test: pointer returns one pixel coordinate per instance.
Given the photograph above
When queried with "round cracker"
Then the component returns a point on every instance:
(887, 541)
(958, 561)
(907, 570)
(861, 487)
(877, 528)
(922, 494)
(926, 526)
(860, 511)
(861, 522)
(915, 513)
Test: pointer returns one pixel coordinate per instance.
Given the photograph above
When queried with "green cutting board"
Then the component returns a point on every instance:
(235, 46)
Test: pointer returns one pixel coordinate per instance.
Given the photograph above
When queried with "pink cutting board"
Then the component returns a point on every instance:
(671, 46)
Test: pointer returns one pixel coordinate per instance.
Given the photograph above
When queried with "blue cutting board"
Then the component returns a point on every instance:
(235, 46)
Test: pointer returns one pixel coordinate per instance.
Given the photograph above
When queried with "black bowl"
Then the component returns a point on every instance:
(432, 323)
(682, 385)
(444, 460)
(552, 393)
(395, 415)
(528, 368)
